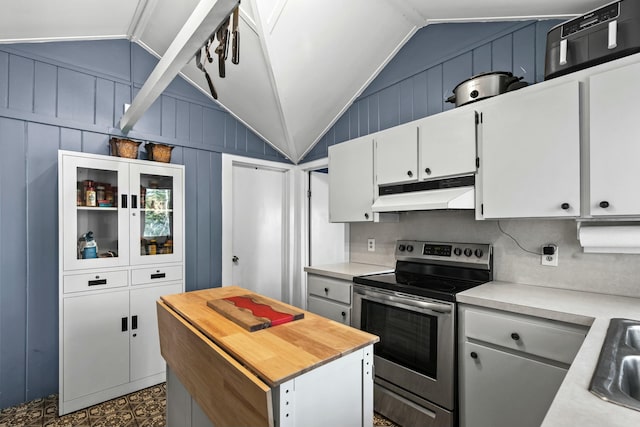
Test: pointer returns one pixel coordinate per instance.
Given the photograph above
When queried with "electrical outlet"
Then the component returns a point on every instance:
(371, 245)
(550, 255)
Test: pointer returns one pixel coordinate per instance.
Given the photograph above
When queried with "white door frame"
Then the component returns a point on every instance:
(303, 212)
(228, 162)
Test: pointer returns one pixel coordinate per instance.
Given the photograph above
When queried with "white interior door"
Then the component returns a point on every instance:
(328, 242)
(258, 233)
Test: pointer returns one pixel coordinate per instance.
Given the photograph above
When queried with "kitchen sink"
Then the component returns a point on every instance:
(632, 338)
(617, 375)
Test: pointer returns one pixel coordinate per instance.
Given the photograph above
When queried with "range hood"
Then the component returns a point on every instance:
(451, 193)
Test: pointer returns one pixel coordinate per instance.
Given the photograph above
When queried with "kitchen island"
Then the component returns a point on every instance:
(311, 371)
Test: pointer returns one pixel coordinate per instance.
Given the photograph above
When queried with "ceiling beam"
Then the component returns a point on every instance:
(204, 20)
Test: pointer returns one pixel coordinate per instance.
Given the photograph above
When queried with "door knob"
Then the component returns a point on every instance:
(235, 259)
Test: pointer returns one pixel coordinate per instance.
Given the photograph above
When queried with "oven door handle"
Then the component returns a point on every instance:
(431, 306)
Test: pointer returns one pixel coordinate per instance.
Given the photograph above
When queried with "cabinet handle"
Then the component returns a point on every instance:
(134, 201)
(515, 336)
(326, 290)
(604, 204)
(124, 324)
(410, 173)
(344, 314)
(474, 355)
(366, 216)
(97, 282)
(123, 203)
(427, 171)
(134, 322)
(159, 275)
(565, 206)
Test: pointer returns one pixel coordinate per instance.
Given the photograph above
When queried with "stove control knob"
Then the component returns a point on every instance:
(479, 253)
(457, 251)
(401, 248)
(468, 252)
(409, 248)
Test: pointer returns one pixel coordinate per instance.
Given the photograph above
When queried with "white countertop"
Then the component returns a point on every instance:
(347, 270)
(573, 405)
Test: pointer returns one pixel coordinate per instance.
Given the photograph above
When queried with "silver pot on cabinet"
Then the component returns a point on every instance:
(483, 86)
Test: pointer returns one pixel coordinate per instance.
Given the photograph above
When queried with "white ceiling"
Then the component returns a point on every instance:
(302, 62)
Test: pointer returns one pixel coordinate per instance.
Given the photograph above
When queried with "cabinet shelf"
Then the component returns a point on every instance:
(97, 208)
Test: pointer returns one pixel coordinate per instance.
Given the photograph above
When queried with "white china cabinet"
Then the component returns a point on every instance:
(121, 238)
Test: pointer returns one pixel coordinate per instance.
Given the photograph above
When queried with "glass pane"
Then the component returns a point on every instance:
(97, 213)
(407, 338)
(156, 214)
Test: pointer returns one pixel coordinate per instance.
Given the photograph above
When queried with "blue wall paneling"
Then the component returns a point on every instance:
(425, 71)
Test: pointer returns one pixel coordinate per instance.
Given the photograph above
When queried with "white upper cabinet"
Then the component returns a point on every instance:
(447, 144)
(614, 147)
(397, 154)
(351, 180)
(530, 153)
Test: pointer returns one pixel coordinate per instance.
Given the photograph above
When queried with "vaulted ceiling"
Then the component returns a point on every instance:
(302, 62)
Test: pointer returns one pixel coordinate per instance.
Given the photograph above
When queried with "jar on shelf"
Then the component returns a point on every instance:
(100, 193)
(153, 247)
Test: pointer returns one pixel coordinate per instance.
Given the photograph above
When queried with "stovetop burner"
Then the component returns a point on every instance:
(435, 270)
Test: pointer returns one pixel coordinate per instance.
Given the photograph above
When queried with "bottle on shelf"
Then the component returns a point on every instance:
(90, 194)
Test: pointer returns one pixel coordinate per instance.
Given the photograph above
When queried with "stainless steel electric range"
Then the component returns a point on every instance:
(413, 311)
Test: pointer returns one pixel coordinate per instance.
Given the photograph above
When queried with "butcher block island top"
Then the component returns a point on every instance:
(275, 354)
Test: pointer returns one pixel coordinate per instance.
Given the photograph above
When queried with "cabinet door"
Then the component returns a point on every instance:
(614, 148)
(101, 213)
(500, 389)
(447, 144)
(145, 341)
(530, 156)
(96, 343)
(351, 181)
(397, 154)
(156, 214)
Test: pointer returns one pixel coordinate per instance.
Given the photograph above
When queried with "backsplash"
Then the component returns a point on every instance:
(615, 274)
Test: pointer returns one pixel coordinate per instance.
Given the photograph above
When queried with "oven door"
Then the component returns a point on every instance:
(416, 351)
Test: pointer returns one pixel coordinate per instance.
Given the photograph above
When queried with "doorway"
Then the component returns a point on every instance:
(256, 235)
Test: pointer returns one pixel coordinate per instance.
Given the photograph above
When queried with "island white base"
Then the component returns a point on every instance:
(339, 393)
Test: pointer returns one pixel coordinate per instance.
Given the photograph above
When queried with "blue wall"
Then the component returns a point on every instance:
(424, 72)
(70, 96)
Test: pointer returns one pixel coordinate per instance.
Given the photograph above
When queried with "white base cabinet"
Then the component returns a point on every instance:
(108, 335)
(329, 297)
(511, 366)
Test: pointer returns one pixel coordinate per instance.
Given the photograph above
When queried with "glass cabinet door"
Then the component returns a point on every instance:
(156, 228)
(95, 213)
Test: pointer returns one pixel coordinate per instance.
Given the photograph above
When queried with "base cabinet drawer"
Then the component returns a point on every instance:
(141, 276)
(329, 309)
(330, 288)
(95, 281)
(539, 337)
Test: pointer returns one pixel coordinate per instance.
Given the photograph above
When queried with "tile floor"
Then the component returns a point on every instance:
(144, 408)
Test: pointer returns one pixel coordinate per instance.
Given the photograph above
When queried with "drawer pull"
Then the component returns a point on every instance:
(474, 355)
(97, 282)
(326, 290)
(515, 336)
(344, 314)
(158, 275)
